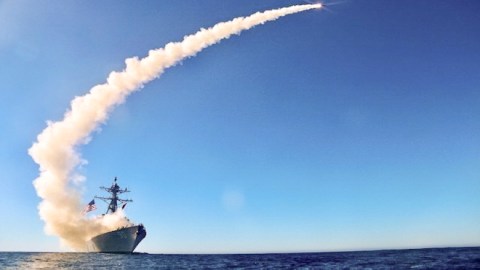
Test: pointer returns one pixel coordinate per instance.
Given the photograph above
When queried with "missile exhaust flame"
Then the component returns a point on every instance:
(56, 149)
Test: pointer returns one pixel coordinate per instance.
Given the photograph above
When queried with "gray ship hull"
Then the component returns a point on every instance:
(123, 240)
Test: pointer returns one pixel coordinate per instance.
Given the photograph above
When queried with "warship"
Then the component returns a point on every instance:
(122, 240)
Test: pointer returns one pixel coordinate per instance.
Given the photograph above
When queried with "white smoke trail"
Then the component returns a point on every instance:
(56, 149)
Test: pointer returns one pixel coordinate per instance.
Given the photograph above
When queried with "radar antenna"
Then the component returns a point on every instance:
(112, 201)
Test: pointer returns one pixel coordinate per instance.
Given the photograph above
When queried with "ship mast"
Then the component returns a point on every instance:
(112, 201)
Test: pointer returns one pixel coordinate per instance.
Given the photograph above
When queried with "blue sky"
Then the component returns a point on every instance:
(354, 128)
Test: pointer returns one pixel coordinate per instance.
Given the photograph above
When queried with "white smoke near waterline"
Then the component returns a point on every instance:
(56, 149)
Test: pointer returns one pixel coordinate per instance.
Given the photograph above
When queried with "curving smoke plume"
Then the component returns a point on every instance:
(56, 149)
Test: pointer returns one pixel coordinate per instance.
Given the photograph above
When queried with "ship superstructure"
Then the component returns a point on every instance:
(121, 240)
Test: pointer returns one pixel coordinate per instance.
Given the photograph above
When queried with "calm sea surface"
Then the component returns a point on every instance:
(443, 258)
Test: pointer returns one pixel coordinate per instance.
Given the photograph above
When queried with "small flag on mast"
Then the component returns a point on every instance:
(90, 207)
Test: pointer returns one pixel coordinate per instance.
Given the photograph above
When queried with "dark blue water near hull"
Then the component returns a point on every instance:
(443, 258)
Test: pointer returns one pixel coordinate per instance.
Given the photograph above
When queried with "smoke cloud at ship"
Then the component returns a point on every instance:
(56, 149)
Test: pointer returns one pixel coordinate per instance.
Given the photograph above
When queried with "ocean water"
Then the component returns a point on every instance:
(441, 258)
